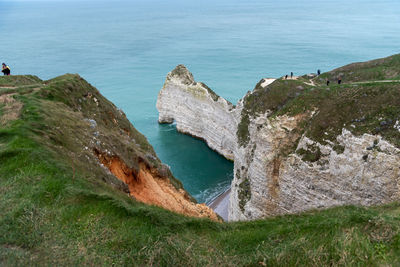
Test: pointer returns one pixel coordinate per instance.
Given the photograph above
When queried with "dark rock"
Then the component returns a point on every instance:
(164, 170)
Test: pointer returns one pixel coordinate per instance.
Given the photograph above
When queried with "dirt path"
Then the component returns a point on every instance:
(382, 81)
(310, 83)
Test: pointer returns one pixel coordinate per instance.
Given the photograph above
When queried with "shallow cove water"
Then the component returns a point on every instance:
(126, 48)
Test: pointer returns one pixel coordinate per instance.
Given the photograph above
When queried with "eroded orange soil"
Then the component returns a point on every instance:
(152, 189)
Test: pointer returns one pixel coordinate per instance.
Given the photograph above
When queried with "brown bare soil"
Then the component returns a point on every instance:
(11, 109)
(148, 187)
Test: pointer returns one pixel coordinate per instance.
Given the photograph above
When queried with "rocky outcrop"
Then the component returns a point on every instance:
(287, 156)
(198, 111)
(366, 172)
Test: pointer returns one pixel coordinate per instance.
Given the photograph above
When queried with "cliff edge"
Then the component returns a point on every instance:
(299, 144)
(80, 126)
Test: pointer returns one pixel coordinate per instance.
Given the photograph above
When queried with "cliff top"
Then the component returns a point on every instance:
(184, 76)
(367, 101)
(387, 68)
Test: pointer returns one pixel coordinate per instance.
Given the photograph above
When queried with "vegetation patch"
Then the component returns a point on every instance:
(367, 108)
(311, 154)
(213, 95)
(339, 149)
(361, 105)
(19, 80)
(183, 73)
(244, 193)
(375, 70)
(243, 129)
(272, 98)
(10, 109)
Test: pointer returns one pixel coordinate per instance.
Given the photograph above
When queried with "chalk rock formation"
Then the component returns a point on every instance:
(198, 111)
(366, 172)
(281, 165)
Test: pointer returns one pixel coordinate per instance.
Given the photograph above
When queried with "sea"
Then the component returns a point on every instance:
(126, 48)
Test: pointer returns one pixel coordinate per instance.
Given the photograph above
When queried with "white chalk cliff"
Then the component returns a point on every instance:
(198, 111)
(267, 182)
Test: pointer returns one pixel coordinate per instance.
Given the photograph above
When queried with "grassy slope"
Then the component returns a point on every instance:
(374, 70)
(362, 103)
(273, 97)
(55, 212)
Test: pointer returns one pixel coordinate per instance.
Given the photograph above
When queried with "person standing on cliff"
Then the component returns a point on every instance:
(318, 72)
(339, 81)
(327, 82)
(291, 75)
(5, 69)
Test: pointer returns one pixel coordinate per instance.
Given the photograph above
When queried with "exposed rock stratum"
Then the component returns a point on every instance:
(297, 144)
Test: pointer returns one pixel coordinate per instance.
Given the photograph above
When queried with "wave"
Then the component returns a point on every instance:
(208, 195)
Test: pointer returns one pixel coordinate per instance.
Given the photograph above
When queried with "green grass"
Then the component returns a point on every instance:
(364, 108)
(272, 97)
(244, 193)
(361, 104)
(375, 70)
(19, 80)
(58, 208)
(213, 95)
(49, 218)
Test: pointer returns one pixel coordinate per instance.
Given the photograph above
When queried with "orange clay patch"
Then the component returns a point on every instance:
(152, 189)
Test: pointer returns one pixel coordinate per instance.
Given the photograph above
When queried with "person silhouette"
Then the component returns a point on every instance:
(5, 69)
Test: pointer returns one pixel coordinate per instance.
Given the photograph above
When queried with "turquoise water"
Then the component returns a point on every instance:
(126, 48)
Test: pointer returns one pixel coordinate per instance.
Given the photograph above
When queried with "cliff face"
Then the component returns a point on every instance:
(299, 144)
(266, 183)
(85, 130)
(198, 111)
